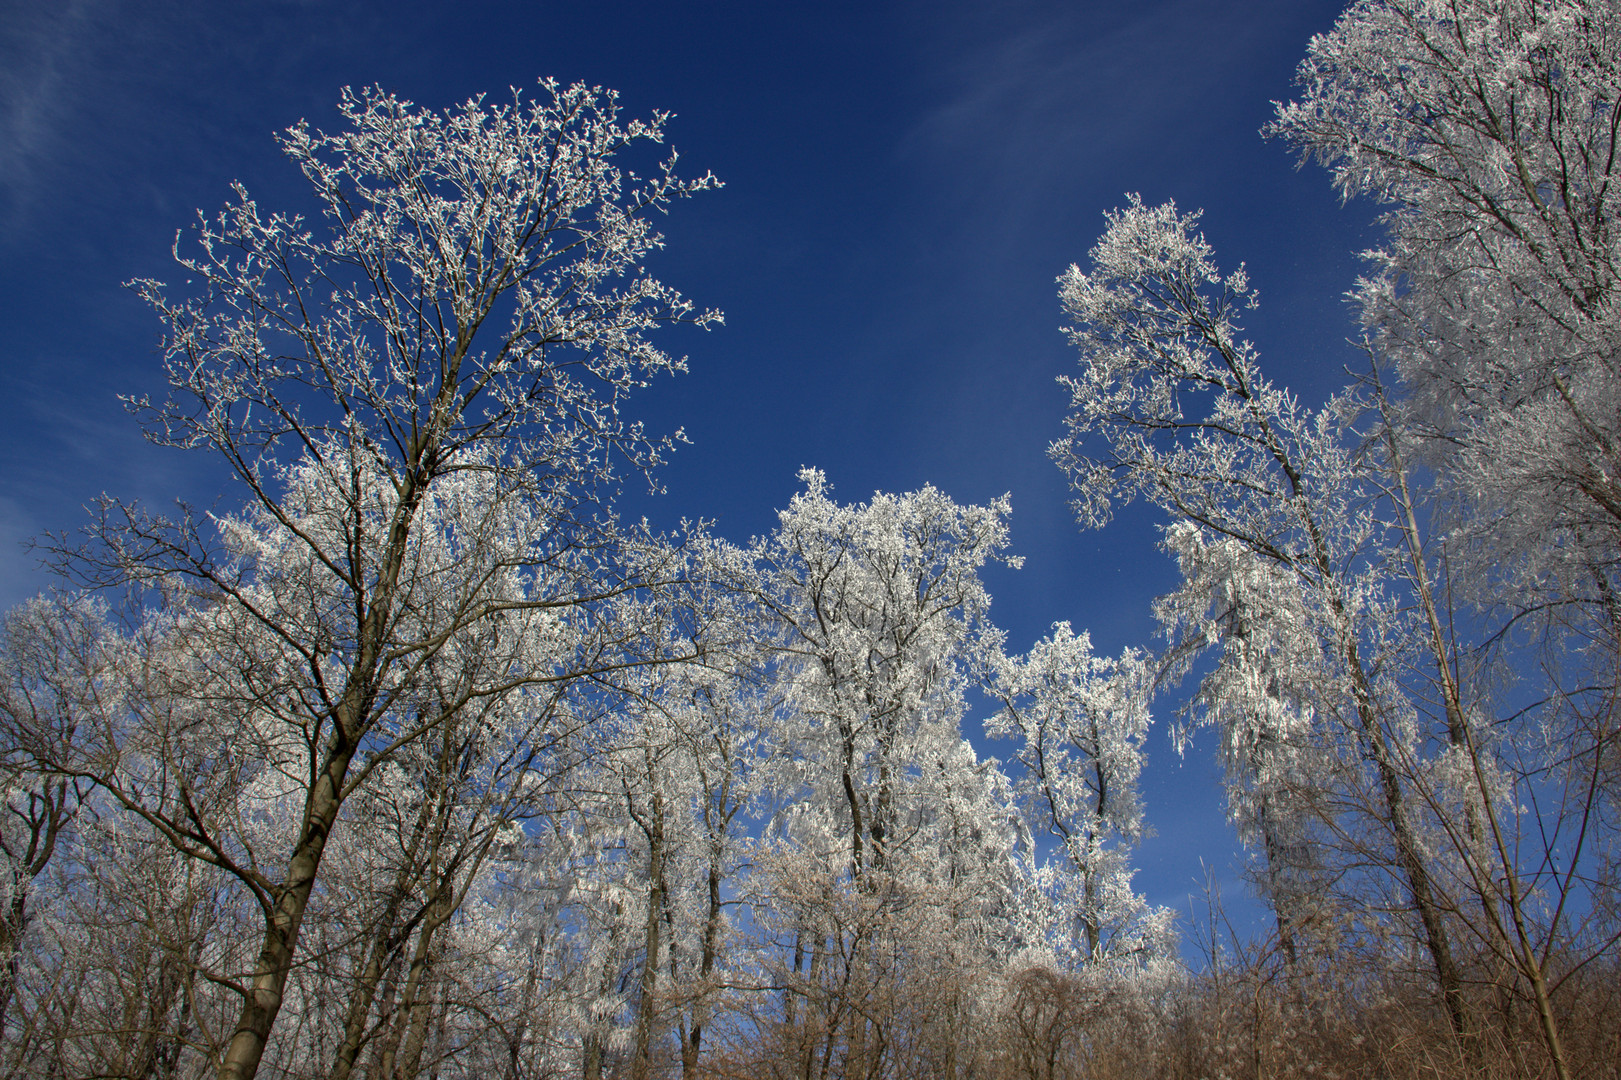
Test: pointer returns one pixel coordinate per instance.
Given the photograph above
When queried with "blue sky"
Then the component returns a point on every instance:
(904, 181)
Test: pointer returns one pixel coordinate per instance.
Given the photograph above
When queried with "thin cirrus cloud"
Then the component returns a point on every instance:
(1078, 92)
(46, 48)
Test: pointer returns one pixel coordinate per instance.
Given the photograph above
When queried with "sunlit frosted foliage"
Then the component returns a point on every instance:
(1081, 720)
(1354, 705)
(1283, 554)
(1490, 130)
(884, 615)
(419, 393)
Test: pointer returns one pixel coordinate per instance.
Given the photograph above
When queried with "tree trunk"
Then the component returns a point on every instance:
(12, 924)
(350, 721)
(158, 1050)
(1411, 861)
(693, 1043)
(386, 939)
(264, 997)
(811, 1012)
(641, 1062)
(1283, 904)
(416, 1004)
(592, 1044)
(520, 1028)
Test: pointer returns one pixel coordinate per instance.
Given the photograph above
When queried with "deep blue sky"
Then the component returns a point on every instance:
(904, 181)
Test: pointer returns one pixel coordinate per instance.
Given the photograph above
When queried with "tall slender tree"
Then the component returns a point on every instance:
(1173, 398)
(419, 396)
(894, 837)
(1080, 721)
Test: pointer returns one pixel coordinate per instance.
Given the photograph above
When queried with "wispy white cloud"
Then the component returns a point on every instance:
(46, 68)
(1072, 93)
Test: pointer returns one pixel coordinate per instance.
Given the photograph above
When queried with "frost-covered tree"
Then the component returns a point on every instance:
(1489, 129)
(416, 850)
(56, 671)
(1359, 716)
(1173, 399)
(724, 723)
(419, 396)
(1260, 697)
(110, 928)
(676, 775)
(883, 615)
(893, 838)
(1080, 720)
